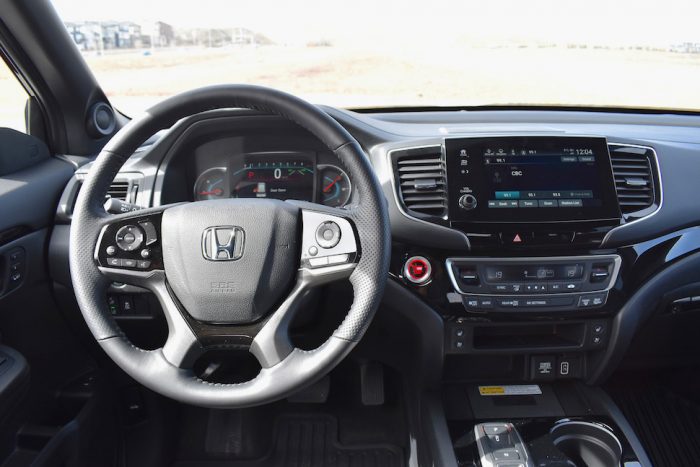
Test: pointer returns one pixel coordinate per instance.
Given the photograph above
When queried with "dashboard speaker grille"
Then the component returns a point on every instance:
(634, 177)
(422, 181)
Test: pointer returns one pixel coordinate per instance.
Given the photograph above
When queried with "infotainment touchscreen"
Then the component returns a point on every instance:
(534, 178)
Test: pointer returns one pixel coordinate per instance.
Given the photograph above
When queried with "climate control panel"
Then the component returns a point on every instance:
(534, 284)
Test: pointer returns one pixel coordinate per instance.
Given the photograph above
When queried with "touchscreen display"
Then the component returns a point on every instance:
(531, 179)
(274, 176)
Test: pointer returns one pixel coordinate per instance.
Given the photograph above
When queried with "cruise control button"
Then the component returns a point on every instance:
(150, 229)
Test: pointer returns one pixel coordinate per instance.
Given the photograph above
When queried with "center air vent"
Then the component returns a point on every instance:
(634, 178)
(421, 179)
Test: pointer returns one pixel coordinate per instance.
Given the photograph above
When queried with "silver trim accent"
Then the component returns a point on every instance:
(321, 168)
(597, 425)
(212, 246)
(519, 445)
(617, 264)
(660, 190)
(428, 275)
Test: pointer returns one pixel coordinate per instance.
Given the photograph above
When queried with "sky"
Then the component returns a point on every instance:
(431, 22)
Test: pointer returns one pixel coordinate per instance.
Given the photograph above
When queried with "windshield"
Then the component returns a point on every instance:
(409, 53)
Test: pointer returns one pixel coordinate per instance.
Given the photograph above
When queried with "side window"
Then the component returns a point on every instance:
(13, 97)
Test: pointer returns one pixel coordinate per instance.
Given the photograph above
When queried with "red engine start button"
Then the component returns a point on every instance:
(417, 270)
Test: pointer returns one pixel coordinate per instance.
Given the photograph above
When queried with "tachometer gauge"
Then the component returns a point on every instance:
(212, 184)
(335, 186)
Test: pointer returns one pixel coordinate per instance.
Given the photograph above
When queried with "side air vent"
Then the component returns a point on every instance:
(633, 169)
(119, 190)
(421, 181)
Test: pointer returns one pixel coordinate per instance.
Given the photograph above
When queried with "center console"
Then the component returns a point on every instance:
(534, 297)
(529, 307)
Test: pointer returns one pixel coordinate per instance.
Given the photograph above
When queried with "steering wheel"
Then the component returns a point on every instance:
(230, 273)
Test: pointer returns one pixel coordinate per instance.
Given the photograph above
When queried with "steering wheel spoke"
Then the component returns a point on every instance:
(329, 254)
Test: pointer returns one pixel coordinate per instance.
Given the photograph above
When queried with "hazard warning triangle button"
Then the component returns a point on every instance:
(513, 238)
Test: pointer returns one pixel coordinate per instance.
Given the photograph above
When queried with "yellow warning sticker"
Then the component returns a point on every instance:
(511, 390)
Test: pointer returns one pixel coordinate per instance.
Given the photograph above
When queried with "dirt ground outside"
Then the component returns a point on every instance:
(553, 75)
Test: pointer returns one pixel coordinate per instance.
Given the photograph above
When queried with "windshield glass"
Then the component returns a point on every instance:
(408, 53)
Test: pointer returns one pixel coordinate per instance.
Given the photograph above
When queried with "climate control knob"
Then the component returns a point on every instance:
(467, 202)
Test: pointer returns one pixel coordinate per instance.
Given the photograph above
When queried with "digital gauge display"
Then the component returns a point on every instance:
(269, 176)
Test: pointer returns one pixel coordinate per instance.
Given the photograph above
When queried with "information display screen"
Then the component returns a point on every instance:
(522, 179)
(273, 176)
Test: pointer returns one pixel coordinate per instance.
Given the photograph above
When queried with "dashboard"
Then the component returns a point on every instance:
(531, 234)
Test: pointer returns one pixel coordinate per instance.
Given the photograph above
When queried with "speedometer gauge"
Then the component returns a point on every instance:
(335, 186)
(212, 184)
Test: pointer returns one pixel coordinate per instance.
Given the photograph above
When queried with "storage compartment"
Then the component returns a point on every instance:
(528, 336)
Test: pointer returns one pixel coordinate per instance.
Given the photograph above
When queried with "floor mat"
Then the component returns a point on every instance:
(313, 441)
(665, 423)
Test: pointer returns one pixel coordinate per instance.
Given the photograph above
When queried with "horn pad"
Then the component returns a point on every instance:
(231, 261)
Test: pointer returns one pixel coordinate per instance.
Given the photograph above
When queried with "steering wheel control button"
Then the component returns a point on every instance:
(111, 250)
(129, 238)
(417, 270)
(328, 234)
(129, 263)
(151, 235)
(143, 264)
(338, 259)
(318, 262)
(145, 253)
(114, 262)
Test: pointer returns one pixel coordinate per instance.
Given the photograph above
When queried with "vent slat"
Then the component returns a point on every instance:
(119, 190)
(422, 181)
(633, 178)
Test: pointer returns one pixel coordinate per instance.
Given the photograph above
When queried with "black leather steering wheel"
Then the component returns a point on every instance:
(230, 273)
